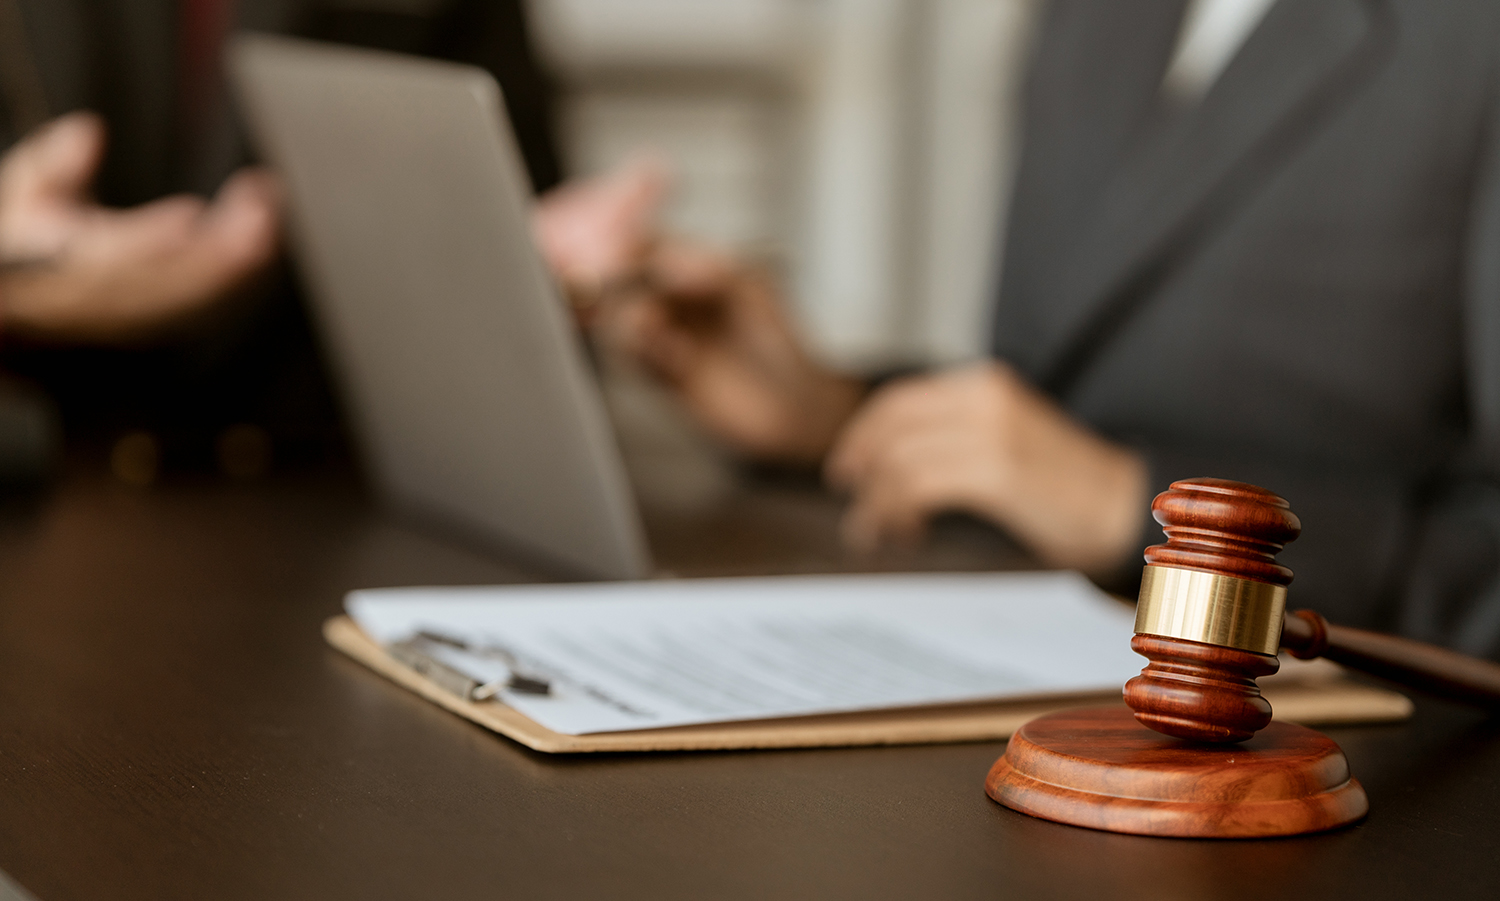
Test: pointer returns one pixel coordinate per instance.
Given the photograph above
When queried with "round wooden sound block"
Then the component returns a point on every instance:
(1098, 767)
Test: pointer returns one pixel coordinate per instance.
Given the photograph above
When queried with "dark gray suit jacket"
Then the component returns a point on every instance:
(1296, 283)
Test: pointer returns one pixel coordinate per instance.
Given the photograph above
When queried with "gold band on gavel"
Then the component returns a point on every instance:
(1213, 609)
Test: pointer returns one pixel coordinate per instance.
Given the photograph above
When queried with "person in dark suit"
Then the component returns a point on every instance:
(136, 302)
(1292, 280)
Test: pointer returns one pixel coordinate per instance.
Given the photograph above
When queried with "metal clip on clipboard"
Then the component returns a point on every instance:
(418, 654)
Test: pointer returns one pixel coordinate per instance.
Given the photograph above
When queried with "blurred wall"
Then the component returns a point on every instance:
(863, 145)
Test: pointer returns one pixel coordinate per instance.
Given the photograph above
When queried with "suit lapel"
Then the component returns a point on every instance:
(1299, 65)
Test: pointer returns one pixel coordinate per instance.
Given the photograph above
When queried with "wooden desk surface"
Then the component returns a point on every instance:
(172, 726)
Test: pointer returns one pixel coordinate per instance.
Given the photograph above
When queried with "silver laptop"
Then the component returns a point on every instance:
(469, 391)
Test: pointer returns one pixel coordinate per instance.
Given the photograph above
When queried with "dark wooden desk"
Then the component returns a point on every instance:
(172, 726)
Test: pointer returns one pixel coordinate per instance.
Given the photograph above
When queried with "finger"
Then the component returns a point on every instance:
(256, 184)
(240, 230)
(147, 234)
(643, 330)
(893, 412)
(59, 160)
(913, 478)
(689, 270)
(44, 182)
(910, 405)
(852, 453)
(849, 462)
(888, 511)
(701, 289)
(637, 190)
(879, 507)
(595, 231)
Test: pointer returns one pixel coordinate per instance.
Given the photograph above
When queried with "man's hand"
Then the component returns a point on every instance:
(84, 273)
(596, 232)
(714, 330)
(711, 327)
(982, 441)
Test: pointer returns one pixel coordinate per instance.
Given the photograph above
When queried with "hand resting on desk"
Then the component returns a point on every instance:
(981, 440)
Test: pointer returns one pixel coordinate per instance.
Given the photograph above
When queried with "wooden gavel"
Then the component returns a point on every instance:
(1212, 616)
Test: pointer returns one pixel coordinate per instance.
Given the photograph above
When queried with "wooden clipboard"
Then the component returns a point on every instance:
(1312, 693)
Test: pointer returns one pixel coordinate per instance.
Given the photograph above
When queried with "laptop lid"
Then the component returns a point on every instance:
(468, 388)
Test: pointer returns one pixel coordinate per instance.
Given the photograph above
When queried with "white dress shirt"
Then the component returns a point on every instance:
(1213, 31)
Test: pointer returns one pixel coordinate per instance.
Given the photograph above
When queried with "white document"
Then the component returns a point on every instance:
(644, 655)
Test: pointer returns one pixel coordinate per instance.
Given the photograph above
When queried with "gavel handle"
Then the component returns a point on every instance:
(1438, 670)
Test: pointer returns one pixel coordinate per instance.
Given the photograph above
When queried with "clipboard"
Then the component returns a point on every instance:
(1313, 693)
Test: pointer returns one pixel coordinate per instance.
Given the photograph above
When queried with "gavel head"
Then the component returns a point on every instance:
(1210, 612)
